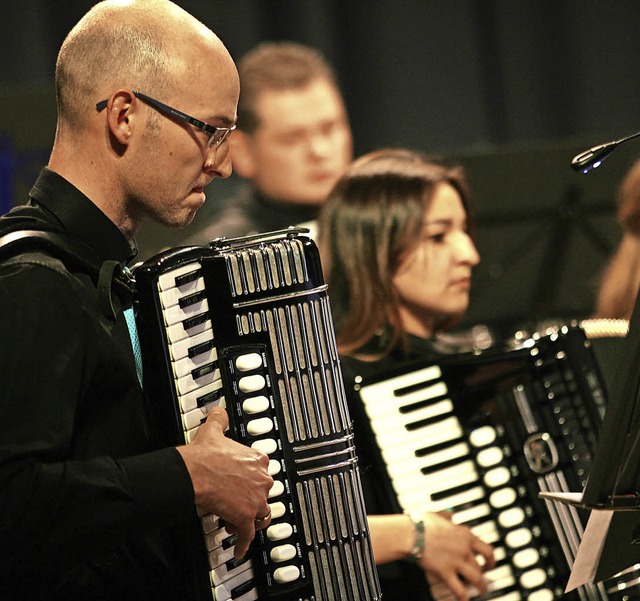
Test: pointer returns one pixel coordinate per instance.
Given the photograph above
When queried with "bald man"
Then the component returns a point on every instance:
(90, 506)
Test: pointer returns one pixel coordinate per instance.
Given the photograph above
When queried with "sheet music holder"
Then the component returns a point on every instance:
(611, 541)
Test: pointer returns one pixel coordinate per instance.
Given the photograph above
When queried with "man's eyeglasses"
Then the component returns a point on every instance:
(217, 135)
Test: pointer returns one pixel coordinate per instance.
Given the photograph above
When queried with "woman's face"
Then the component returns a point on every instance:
(433, 279)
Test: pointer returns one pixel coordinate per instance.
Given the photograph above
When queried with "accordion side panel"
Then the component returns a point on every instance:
(482, 436)
(271, 358)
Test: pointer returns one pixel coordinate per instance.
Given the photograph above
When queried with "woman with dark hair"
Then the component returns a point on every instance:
(395, 241)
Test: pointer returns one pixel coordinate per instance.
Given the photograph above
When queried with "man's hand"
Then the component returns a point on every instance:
(230, 480)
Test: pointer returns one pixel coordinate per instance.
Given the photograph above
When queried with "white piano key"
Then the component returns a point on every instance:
(499, 578)
(487, 532)
(180, 349)
(215, 538)
(447, 429)
(445, 479)
(384, 391)
(192, 419)
(383, 407)
(473, 513)
(178, 331)
(168, 280)
(171, 296)
(412, 465)
(423, 503)
(249, 361)
(210, 522)
(190, 400)
(175, 314)
(225, 581)
(187, 365)
(188, 383)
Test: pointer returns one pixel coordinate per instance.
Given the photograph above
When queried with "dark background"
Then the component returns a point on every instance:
(512, 89)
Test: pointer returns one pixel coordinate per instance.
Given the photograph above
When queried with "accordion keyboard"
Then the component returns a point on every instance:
(249, 328)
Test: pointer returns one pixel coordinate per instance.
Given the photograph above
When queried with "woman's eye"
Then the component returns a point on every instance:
(439, 238)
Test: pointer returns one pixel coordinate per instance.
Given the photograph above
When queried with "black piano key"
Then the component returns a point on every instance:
(204, 370)
(194, 351)
(194, 321)
(244, 588)
(185, 278)
(205, 399)
(192, 299)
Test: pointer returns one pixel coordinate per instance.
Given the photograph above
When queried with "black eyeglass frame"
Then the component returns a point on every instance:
(217, 134)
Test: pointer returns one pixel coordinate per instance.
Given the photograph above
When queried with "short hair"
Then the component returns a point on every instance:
(372, 217)
(138, 55)
(277, 66)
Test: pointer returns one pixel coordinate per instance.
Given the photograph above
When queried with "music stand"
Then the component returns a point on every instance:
(611, 542)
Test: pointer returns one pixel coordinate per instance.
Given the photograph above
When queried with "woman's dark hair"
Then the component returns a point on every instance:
(372, 218)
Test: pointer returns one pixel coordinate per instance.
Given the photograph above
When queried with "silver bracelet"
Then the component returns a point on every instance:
(418, 543)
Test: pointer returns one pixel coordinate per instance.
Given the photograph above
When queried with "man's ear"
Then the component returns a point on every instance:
(122, 114)
(242, 155)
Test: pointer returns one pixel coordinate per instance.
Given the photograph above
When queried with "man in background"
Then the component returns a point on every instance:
(292, 142)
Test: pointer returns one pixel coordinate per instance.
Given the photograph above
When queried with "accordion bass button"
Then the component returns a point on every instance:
(482, 436)
(286, 574)
(249, 361)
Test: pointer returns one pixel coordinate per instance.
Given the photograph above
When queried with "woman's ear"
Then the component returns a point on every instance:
(242, 154)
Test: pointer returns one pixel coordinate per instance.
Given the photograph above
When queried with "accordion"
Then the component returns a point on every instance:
(246, 322)
(482, 435)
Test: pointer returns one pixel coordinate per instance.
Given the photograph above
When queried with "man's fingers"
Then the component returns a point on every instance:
(219, 416)
(245, 536)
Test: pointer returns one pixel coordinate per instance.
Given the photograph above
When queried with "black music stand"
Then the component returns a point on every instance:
(612, 538)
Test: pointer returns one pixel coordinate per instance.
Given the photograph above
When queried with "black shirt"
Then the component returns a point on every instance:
(86, 494)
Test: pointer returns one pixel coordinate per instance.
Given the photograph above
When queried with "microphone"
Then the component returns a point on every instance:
(592, 158)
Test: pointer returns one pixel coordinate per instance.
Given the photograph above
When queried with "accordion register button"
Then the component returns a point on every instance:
(268, 446)
(277, 509)
(511, 517)
(497, 477)
(255, 404)
(252, 383)
(262, 425)
(249, 361)
(544, 594)
(482, 436)
(490, 456)
(274, 467)
(533, 578)
(277, 489)
(286, 574)
(526, 558)
(518, 538)
(279, 531)
(283, 553)
(503, 497)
